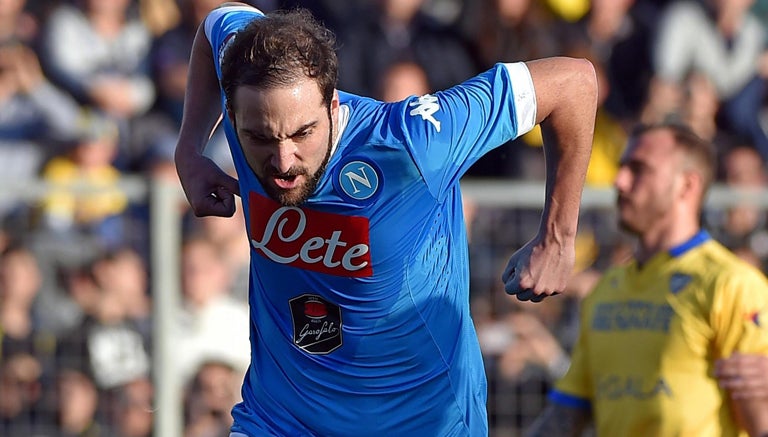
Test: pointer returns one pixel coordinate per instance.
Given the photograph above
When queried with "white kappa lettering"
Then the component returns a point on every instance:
(311, 251)
(425, 107)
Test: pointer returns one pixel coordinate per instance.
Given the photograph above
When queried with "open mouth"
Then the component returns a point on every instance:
(285, 182)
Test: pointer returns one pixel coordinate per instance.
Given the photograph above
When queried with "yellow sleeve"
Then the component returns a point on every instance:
(739, 312)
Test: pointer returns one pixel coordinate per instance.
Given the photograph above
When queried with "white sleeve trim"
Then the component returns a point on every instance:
(525, 96)
(218, 12)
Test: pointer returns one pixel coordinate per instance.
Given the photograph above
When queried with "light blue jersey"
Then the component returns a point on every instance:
(360, 321)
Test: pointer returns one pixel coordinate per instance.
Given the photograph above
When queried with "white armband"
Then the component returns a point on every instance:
(525, 96)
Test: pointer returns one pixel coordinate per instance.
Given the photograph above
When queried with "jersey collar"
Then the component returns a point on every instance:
(700, 237)
(342, 120)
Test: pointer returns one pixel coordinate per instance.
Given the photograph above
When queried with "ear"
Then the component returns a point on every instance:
(692, 185)
(335, 103)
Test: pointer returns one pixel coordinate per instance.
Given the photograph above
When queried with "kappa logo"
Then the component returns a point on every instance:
(426, 106)
(359, 180)
(323, 242)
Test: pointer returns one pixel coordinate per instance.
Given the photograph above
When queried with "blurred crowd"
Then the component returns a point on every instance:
(92, 91)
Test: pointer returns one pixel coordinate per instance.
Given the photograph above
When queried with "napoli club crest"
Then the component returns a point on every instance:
(316, 324)
(359, 180)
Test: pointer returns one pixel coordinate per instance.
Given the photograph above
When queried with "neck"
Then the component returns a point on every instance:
(664, 239)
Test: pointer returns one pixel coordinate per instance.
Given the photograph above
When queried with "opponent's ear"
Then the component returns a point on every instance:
(692, 184)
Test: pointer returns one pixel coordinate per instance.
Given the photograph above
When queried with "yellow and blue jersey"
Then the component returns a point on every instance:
(650, 336)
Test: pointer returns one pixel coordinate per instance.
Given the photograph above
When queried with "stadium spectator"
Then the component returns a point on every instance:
(511, 30)
(17, 24)
(35, 116)
(620, 35)
(214, 324)
(226, 234)
(403, 78)
(77, 405)
(88, 164)
(122, 273)
(699, 108)
(169, 58)
(388, 30)
(21, 312)
(209, 398)
(98, 51)
(130, 410)
(743, 226)
(523, 371)
(724, 41)
(108, 342)
(652, 330)
(21, 395)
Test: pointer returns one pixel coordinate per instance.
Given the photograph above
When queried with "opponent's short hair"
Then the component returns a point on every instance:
(278, 50)
(700, 153)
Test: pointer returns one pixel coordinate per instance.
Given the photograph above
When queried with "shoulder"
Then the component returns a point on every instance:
(230, 15)
(722, 268)
(364, 120)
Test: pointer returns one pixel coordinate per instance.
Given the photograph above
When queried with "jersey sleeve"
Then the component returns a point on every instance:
(739, 313)
(574, 388)
(450, 130)
(222, 24)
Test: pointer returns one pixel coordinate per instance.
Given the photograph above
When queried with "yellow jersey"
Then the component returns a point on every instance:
(650, 335)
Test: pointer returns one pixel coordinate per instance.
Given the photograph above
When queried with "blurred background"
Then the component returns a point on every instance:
(121, 314)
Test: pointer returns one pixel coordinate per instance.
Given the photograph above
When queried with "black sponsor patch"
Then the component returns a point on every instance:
(316, 324)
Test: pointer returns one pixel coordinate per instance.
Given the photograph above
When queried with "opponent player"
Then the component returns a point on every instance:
(653, 331)
(359, 271)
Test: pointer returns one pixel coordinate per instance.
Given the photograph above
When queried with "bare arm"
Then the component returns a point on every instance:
(752, 415)
(561, 421)
(745, 377)
(566, 98)
(209, 190)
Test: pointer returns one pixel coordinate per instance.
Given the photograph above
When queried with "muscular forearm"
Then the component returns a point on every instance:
(752, 415)
(202, 104)
(566, 94)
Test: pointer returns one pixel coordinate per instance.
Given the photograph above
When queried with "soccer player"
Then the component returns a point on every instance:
(359, 294)
(653, 331)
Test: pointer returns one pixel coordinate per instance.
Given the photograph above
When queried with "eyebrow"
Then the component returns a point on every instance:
(270, 137)
(631, 160)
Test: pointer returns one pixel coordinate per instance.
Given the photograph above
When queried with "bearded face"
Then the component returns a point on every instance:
(286, 134)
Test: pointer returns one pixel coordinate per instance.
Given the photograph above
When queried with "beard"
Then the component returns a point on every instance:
(637, 218)
(299, 195)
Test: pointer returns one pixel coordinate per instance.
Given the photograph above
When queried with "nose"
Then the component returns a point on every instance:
(284, 157)
(622, 180)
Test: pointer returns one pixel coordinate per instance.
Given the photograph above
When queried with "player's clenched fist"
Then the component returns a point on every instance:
(539, 269)
(209, 190)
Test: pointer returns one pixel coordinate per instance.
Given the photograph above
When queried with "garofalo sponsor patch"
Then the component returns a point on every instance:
(316, 324)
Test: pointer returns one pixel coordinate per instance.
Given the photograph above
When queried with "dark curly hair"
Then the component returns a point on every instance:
(278, 50)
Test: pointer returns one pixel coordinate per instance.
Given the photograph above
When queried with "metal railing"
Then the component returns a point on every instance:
(166, 237)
